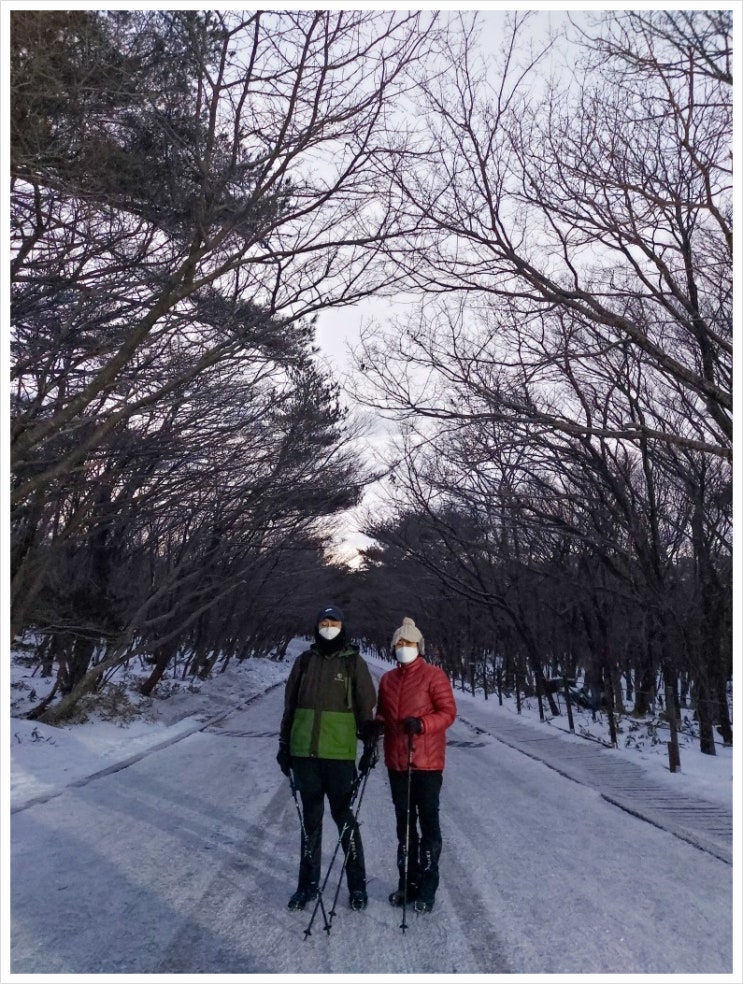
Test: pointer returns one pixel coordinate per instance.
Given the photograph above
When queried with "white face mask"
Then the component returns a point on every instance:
(406, 654)
(329, 631)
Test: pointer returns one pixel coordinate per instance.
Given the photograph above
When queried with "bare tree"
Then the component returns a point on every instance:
(198, 532)
(188, 191)
(271, 199)
(569, 376)
(594, 222)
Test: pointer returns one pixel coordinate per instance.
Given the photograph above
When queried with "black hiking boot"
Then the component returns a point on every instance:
(423, 905)
(397, 898)
(301, 897)
(358, 899)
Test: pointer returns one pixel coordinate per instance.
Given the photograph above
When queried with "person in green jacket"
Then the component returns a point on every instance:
(328, 705)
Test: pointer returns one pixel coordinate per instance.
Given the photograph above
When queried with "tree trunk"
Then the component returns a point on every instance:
(725, 727)
(73, 667)
(163, 656)
(705, 716)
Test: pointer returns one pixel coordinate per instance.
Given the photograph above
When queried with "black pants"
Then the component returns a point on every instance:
(315, 779)
(424, 836)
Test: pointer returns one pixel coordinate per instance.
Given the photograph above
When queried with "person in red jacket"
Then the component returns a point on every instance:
(415, 707)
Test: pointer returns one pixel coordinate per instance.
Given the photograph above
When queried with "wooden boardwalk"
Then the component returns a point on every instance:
(707, 825)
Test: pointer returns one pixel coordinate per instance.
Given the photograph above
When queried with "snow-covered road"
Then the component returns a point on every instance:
(183, 863)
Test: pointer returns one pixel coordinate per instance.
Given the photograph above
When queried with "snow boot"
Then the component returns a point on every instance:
(301, 897)
(423, 905)
(397, 898)
(358, 899)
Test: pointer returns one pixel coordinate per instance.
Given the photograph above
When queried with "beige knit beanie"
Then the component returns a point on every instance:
(409, 630)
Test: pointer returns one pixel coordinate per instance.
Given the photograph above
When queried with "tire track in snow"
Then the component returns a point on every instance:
(243, 891)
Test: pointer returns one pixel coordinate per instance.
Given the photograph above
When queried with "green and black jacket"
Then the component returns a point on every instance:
(327, 699)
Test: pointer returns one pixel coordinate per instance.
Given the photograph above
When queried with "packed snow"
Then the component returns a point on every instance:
(164, 841)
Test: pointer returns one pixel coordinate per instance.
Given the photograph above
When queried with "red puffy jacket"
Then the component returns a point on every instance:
(420, 690)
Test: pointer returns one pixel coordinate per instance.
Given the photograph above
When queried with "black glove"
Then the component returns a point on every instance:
(412, 726)
(370, 731)
(284, 758)
(368, 758)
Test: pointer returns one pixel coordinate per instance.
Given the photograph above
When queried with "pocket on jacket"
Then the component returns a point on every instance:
(337, 735)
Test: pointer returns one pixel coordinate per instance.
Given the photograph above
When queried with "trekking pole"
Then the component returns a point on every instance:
(326, 927)
(406, 849)
(345, 857)
(306, 842)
